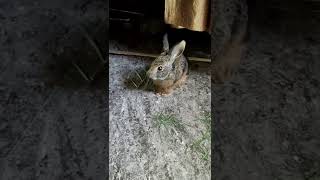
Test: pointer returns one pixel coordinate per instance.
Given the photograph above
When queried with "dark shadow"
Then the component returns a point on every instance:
(80, 59)
(143, 32)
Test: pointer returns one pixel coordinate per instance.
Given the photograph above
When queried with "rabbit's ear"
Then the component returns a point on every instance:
(165, 42)
(178, 50)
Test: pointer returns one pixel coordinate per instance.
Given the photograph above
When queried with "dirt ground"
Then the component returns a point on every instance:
(54, 127)
(51, 126)
(267, 116)
(139, 149)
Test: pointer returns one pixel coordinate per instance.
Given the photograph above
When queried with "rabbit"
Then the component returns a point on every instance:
(169, 71)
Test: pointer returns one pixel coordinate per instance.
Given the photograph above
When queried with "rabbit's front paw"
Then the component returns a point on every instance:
(164, 93)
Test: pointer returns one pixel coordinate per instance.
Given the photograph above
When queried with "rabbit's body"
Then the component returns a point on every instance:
(170, 69)
(168, 85)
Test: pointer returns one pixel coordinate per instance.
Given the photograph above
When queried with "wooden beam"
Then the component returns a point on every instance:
(129, 12)
(130, 53)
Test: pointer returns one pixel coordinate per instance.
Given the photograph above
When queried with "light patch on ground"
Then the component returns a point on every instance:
(142, 149)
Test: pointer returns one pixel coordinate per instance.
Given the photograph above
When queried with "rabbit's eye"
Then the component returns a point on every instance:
(160, 68)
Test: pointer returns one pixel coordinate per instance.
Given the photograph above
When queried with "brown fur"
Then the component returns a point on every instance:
(166, 87)
(174, 68)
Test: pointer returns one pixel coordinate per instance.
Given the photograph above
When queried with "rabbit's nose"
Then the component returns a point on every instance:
(150, 74)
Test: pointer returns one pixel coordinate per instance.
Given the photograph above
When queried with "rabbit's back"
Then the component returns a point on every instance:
(181, 67)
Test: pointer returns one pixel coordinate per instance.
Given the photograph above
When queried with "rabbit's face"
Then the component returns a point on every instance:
(163, 66)
(160, 68)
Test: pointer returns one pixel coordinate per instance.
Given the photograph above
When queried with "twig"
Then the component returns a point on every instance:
(138, 76)
(130, 53)
(97, 50)
(119, 19)
(81, 72)
(135, 84)
(95, 47)
(130, 12)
